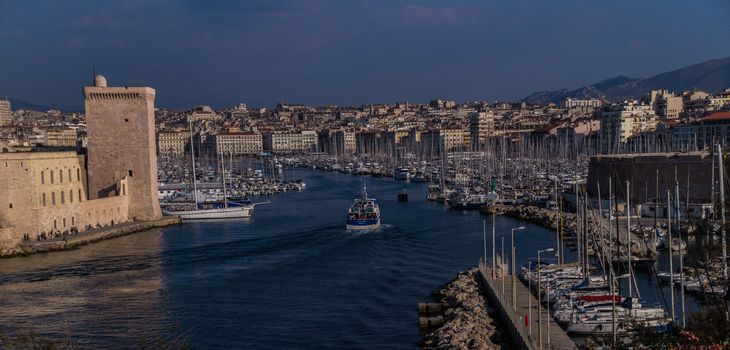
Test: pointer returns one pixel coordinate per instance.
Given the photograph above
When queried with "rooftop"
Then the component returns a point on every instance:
(717, 116)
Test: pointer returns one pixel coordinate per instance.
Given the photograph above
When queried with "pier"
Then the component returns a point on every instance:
(499, 291)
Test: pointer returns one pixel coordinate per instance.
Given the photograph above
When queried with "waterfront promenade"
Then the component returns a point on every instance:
(89, 236)
(499, 294)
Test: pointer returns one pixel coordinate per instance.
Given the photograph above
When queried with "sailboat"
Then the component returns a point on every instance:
(208, 211)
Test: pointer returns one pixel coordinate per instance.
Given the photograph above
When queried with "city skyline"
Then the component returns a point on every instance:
(346, 53)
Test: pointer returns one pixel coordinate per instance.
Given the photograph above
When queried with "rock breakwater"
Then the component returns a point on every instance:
(468, 322)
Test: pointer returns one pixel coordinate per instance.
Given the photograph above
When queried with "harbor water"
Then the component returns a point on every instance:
(290, 277)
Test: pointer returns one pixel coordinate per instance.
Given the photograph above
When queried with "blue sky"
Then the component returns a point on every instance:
(346, 52)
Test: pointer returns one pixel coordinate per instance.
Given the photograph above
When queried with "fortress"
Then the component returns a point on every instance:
(56, 192)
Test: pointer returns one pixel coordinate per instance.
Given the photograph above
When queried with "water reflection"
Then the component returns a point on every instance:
(96, 295)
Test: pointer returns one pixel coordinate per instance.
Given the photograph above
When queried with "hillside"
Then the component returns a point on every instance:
(710, 76)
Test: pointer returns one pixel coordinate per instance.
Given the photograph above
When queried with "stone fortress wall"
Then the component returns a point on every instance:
(121, 144)
(643, 171)
(45, 192)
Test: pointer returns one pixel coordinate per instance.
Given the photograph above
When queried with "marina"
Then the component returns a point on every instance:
(245, 267)
(263, 250)
(276, 175)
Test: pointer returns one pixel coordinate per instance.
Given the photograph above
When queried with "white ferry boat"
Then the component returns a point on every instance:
(364, 214)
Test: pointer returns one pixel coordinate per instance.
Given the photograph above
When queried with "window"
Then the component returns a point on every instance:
(53, 198)
(43, 199)
(79, 195)
(64, 222)
(69, 175)
(51, 176)
(60, 176)
(73, 221)
(55, 225)
(70, 196)
(11, 205)
(43, 177)
(63, 197)
(130, 173)
(78, 174)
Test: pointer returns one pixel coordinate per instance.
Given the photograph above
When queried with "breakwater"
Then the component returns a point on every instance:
(467, 323)
(561, 222)
(86, 237)
(550, 219)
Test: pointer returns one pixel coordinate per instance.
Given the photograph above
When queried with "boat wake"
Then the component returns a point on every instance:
(379, 229)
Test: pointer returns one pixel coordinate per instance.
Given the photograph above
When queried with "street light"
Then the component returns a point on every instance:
(501, 268)
(539, 298)
(529, 300)
(514, 268)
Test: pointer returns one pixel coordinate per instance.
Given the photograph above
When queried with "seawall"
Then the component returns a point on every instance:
(90, 236)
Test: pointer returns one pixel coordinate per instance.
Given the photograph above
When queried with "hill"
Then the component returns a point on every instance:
(710, 76)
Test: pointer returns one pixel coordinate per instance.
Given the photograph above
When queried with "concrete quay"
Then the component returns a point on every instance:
(498, 293)
(89, 236)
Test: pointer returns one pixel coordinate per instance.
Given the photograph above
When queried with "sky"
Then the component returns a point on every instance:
(261, 52)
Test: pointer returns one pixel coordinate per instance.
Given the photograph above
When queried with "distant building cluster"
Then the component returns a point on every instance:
(660, 120)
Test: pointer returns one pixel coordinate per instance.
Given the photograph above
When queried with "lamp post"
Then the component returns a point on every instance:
(547, 291)
(539, 298)
(514, 269)
(501, 269)
(529, 301)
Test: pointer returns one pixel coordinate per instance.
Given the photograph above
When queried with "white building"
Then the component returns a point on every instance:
(279, 141)
(666, 105)
(583, 105)
(203, 113)
(6, 113)
(238, 143)
(621, 121)
(481, 127)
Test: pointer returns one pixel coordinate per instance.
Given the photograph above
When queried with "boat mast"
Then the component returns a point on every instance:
(560, 250)
(494, 245)
(223, 178)
(600, 227)
(192, 157)
(671, 257)
(722, 211)
(612, 280)
(628, 233)
(679, 238)
(585, 233)
(656, 204)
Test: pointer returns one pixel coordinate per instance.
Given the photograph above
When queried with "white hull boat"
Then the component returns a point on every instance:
(232, 212)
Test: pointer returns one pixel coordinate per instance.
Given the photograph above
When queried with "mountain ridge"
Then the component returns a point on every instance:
(710, 76)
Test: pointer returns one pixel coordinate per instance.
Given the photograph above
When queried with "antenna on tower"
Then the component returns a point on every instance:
(93, 75)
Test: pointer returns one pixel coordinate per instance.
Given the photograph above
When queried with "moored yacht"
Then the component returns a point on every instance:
(401, 174)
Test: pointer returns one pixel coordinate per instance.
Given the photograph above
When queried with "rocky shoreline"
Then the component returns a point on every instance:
(468, 322)
(546, 218)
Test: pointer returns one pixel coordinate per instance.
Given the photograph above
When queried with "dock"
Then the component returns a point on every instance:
(524, 336)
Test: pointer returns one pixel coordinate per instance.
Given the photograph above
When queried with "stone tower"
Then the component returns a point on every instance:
(121, 143)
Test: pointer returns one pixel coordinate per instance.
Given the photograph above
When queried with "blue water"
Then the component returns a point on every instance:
(291, 277)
